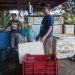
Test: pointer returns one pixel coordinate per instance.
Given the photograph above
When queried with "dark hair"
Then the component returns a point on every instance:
(47, 5)
(14, 14)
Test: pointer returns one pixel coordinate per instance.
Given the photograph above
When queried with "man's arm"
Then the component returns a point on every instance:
(47, 33)
(6, 27)
(50, 25)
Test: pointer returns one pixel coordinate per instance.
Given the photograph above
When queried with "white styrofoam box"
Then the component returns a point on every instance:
(30, 48)
(57, 29)
(64, 48)
(58, 20)
(34, 20)
(69, 29)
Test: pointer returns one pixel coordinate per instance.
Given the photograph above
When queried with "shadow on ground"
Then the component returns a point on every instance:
(11, 67)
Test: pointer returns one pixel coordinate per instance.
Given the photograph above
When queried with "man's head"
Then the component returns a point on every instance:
(46, 8)
(14, 16)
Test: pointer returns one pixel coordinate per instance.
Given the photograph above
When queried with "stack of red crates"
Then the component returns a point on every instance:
(40, 65)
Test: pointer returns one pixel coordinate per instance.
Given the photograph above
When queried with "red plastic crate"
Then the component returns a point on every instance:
(40, 65)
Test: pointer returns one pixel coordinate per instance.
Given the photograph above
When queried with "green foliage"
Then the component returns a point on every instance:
(7, 17)
(24, 23)
(69, 12)
(67, 18)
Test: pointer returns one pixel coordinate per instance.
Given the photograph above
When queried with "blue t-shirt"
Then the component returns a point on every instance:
(47, 21)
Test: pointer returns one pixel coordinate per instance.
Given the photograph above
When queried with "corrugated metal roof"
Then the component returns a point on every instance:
(23, 4)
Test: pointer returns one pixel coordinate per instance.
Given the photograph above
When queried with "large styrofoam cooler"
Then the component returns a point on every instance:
(64, 48)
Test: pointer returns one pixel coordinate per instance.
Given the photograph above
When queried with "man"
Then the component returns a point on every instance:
(46, 30)
(14, 24)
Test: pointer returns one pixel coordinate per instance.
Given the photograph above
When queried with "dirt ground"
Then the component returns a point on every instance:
(12, 67)
(66, 67)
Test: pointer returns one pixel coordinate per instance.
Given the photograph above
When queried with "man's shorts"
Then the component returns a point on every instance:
(15, 36)
(48, 46)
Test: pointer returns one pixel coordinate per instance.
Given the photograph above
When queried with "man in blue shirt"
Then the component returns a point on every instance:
(46, 29)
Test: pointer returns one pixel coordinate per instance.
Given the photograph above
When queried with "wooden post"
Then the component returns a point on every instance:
(2, 18)
(63, 29)
(61, 21)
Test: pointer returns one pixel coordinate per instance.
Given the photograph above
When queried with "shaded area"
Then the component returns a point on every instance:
(11, 67)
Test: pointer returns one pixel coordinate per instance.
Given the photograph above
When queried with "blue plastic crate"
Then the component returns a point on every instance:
(23, 32)
(4, 39)
(4, 54)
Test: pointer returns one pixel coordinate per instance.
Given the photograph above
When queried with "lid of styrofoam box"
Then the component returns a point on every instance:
(61, 35)
(64, 36)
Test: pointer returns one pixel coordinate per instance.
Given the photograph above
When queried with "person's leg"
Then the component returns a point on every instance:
(18, 36)
(12, 41)
(45, 49)
(48, 46)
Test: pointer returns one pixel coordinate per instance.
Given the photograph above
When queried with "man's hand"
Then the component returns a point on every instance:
(3, 30)
(37, 38)
(43, 39)
(47, 33)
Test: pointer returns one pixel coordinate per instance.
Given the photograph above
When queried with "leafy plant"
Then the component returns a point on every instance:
(69, 11)
(7, 17)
